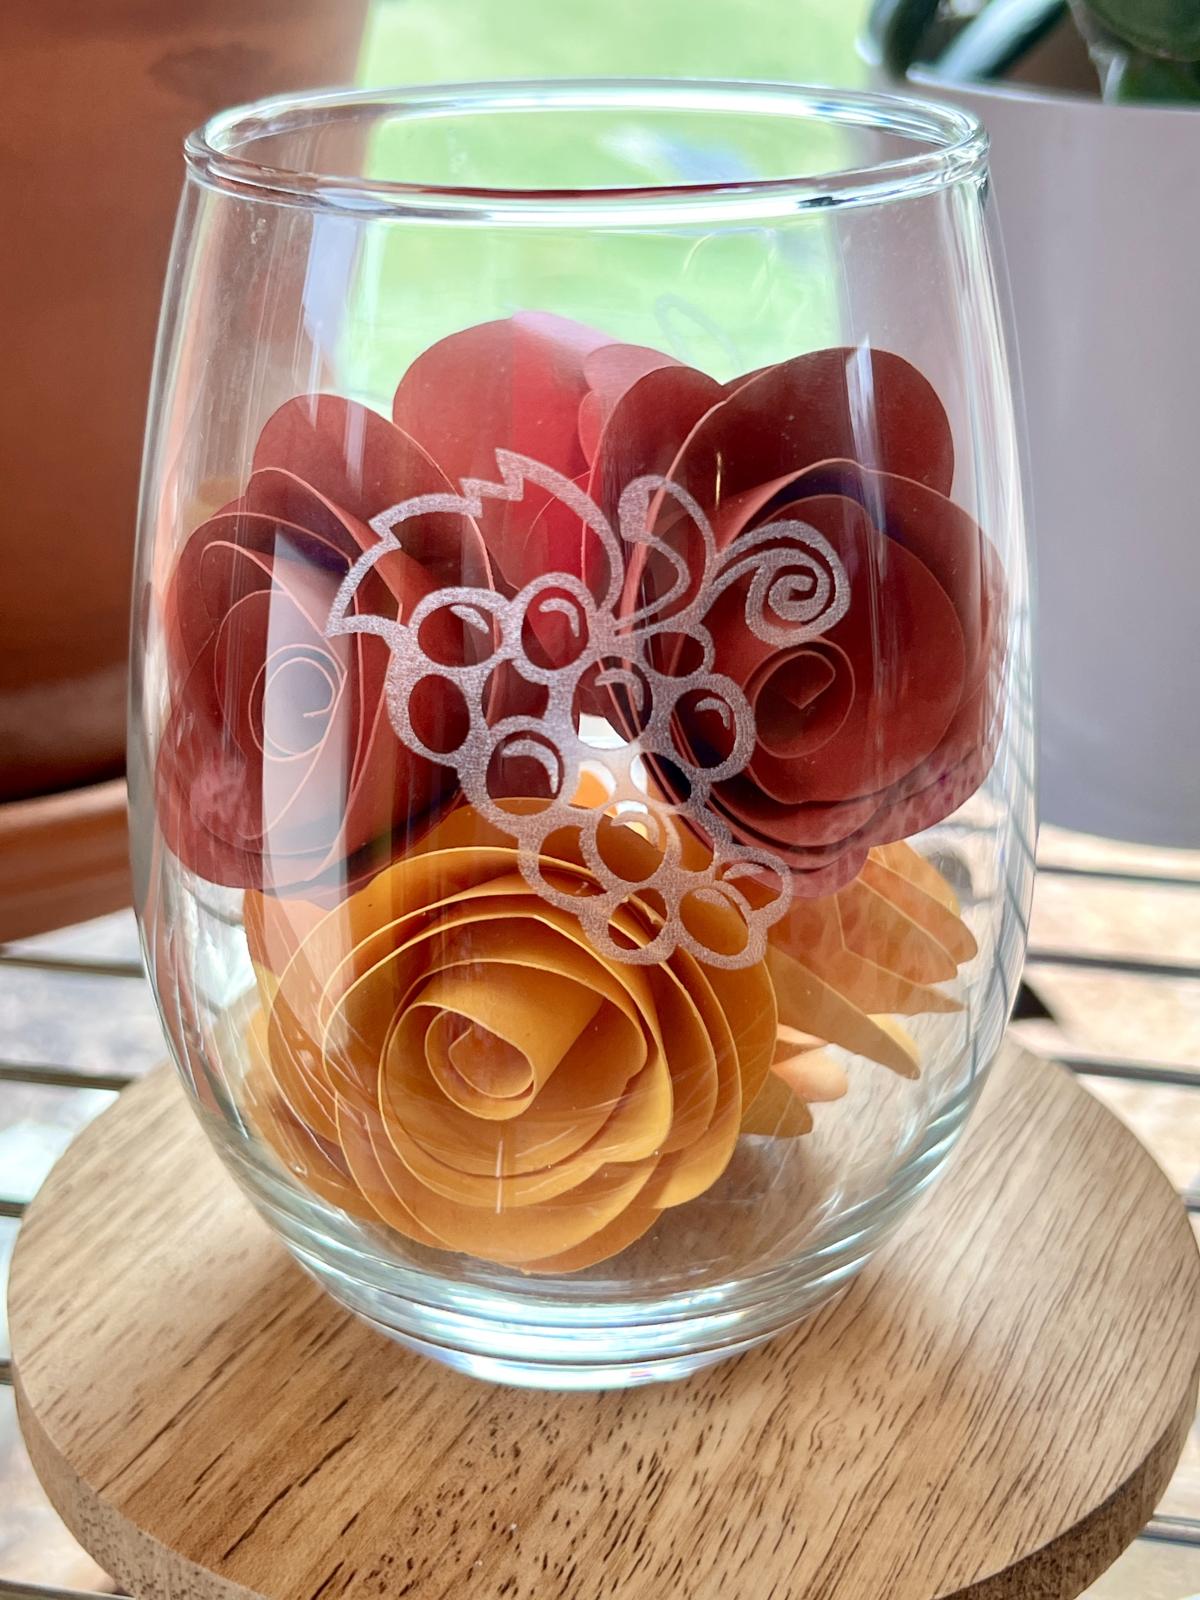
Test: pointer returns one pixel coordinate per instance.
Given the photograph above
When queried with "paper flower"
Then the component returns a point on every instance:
(871, 726)
(447, 1053)
(847, 966)
(278, 767)
(882, 722)
(602, 656)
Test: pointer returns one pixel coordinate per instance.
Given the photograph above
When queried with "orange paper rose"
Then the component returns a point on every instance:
(446, 1052)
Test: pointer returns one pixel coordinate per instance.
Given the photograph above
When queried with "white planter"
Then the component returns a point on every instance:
(1100, 215)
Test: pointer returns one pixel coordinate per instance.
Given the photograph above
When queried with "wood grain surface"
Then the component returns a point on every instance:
(992, 1410)
(64, 858)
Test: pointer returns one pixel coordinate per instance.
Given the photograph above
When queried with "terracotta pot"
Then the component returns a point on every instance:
(98, 97)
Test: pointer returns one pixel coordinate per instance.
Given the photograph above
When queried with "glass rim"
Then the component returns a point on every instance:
(951, 146)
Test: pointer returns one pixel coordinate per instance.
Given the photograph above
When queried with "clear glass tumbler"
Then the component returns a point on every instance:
(581, 746)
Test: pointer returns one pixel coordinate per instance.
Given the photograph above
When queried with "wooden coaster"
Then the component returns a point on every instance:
(993, 1409)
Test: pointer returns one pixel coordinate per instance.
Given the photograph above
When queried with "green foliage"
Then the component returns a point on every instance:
(1144, 50)
(425, 41)
(1167, 28)
(1143, 79)
(899, 30)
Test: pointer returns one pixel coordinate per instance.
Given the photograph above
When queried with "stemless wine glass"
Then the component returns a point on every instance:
(581, 739)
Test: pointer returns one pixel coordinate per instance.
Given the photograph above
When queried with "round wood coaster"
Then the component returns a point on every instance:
(992, 1410)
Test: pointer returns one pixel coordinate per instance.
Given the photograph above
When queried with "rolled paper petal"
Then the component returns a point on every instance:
(802, 1075)
(610, 371)
(646, 429)
(317, 1162)
(864, 405)
(910, 864)
(637, 1218)
(517, 384)
(446, 1053)
(811, 1071)
(809, 1002)
(278, 767)
(845, 967)
(869, 729)
(780, 1111)
(361, 465)
(875, 930)
(453, 1047)
(927, 910)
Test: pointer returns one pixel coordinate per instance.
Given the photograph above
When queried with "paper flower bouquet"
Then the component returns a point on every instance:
(575, 791)
(569, 799)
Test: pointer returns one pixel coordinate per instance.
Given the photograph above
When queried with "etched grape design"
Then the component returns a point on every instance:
(567, 644)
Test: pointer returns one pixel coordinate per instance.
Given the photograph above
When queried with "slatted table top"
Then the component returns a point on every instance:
(74, 1024)
(993, 1409)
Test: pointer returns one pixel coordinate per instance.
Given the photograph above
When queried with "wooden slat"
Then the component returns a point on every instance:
(64, 858)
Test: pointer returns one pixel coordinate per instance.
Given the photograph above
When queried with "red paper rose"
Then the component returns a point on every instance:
(278, 766)
(536, 385)
(802, 516)
(882, 722)
(869, 729)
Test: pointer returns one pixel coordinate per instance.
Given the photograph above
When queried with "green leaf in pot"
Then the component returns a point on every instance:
(1160, 27)
(1143, 78)
(898, 30)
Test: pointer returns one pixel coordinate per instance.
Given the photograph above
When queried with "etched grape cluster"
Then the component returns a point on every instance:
(593, 772)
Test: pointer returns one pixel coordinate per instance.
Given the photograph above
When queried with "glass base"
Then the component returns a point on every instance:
(571, 1356)
(556, 1333)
